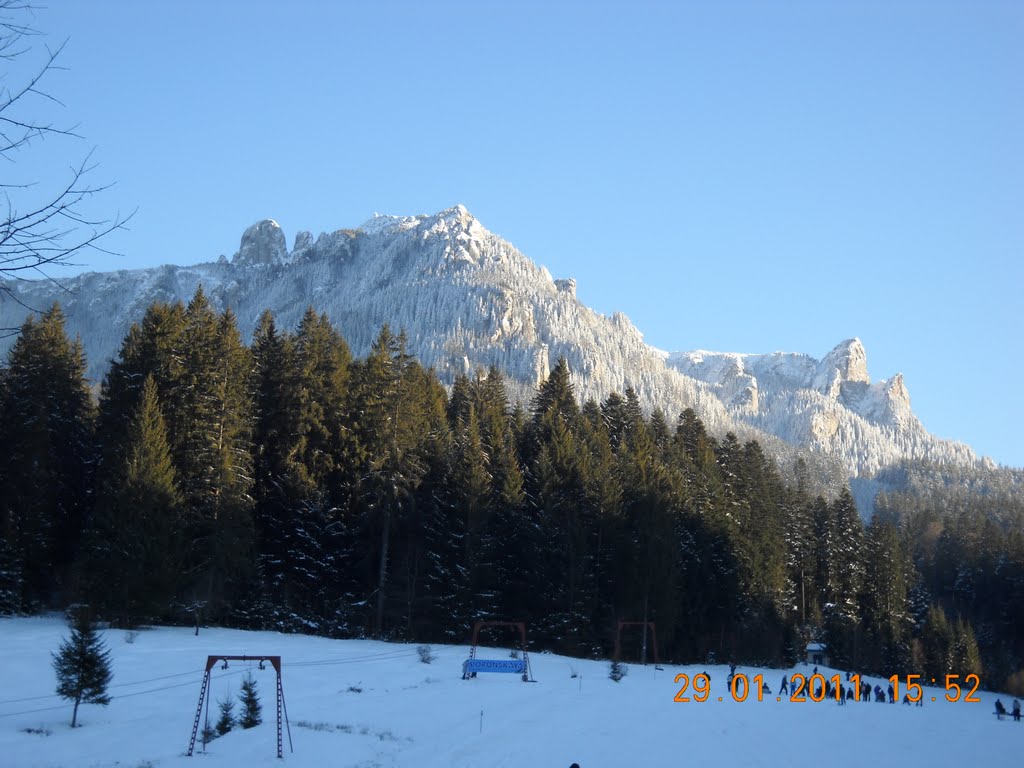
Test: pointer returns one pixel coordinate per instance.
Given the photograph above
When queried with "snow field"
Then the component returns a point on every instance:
(367, 703)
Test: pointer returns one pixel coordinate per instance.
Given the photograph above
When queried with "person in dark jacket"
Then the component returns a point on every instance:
(892, 699)
(784, 690)
(1000, 709)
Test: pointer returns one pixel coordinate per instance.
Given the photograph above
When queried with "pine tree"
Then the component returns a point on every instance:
(323, 360)
(937, 640)
(302, 470)
(275, 445)
(251, 709)
(710, 571)
(46, 429)
(211, 448)
(845, 566)
(83, 667)
(965, 654)
(226, 721)
(391, 425)
(885, 596)
(151, 348)
(134, 551)
(650, 535)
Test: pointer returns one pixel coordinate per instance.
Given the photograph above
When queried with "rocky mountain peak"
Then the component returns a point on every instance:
(847, 362)
(262, 243)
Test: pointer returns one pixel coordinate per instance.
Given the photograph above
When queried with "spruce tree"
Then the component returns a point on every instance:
(937, 645)
(150, 348)
(885, 596)
(226, 721)
(391, 395)
(212, 453)
(83, 667)
(134, 550)
(965, 654)
(275, 445)
(46, 429)
(251, 709)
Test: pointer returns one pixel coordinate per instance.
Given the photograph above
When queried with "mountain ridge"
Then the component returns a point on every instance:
(468, 299)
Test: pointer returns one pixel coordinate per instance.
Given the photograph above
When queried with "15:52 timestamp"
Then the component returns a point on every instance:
(952, 685)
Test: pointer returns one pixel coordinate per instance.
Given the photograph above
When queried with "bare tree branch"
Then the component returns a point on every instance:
(53, 228)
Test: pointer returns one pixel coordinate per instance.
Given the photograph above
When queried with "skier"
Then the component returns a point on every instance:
(892, 700)
(785, 686)
(1016, 710)
(1000, 709)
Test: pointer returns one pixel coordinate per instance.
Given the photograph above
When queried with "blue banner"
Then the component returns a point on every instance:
(517, 666)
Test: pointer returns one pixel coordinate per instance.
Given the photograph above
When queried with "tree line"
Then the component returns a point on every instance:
(286, 485)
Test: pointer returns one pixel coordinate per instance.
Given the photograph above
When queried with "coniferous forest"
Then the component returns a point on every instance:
(286, 485)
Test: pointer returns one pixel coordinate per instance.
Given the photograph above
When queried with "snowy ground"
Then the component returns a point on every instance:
(362, 703)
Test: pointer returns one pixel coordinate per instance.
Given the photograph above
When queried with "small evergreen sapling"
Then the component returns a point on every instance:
(83, 667)
(618, 670)
(208, 734)
(251, 709)
(227, 715)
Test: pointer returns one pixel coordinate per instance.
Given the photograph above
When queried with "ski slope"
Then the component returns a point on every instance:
(365, 703)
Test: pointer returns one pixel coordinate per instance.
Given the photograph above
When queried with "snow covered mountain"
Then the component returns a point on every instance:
(830, 405)
(468, 299)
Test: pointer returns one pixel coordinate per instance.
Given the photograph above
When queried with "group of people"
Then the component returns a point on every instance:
(791, 686)
(849, 692)
(1001, 709)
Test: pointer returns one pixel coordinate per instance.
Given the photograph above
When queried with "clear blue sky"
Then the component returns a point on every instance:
(734, 176)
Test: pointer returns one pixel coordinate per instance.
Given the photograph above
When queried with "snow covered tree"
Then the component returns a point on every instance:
(252, 711)
(83, 666)
(226, 720)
